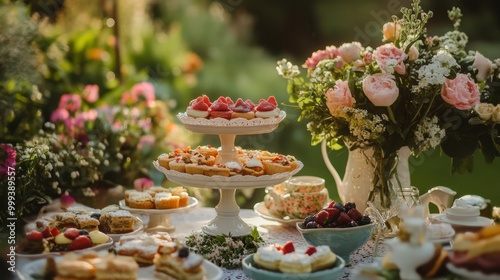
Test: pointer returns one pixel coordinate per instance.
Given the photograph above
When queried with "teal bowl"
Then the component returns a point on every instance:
(342, 241)
(252, 270)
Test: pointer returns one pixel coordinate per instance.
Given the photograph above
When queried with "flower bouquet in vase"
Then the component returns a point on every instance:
(394, 101)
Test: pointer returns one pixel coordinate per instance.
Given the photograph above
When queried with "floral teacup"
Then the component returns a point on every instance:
(296, 205)
(305, 184)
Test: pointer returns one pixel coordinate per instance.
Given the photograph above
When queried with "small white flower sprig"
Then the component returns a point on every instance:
(224, 250)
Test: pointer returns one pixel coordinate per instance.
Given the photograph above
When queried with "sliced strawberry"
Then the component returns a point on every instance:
(278, 247)
(322, 217)
(311, 250)
(241, 106)
(250, 103)
(331, 204)
(354, 214)
(34, 235)
(271, 99)
(81, 242)
(46, 232)
(200, 105)
(54, 231)
(72, 233)
(288, 248)
(229, 101)
(264, 106)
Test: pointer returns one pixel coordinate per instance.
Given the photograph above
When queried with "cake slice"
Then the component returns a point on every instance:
(118, 221)
(179, 263)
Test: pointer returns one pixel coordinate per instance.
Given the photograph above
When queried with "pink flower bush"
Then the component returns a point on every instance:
(7, 158)
(461, 92)
(90, 93)
(317, 56)
(142, 184)
(389, 56)
(71, 102)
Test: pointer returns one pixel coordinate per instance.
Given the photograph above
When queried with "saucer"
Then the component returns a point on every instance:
(478, 221)
(263, 212)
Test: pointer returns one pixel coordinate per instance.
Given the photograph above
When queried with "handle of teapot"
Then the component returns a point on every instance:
(329, 165)
(440, 196)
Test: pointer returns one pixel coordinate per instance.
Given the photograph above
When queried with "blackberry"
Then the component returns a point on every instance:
(340, 207)
(353, 224)
(183, 252)
(349, 205)
(96, 216)
(312, 225)
(364, 220)
(84, 232)
(310, 218)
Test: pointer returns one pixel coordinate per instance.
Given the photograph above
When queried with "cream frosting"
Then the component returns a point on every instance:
(233, 165)
(254, 162)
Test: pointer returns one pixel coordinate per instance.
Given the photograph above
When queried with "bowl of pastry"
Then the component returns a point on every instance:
(289, 262)
(339, 226)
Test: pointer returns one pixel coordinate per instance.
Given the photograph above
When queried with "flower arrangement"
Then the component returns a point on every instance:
(413, 90)
(224, 250)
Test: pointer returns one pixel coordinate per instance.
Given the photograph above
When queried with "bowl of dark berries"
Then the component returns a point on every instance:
(340, 226)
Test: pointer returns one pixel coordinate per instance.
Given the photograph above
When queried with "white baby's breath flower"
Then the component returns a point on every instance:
(286, 69)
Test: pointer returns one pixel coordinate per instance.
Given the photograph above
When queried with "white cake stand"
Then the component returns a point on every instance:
(227, 220)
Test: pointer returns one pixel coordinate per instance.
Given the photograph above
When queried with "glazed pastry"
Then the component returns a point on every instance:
(280, 164)
(199, 107)
(217, 169)
(221, 109)
(234, 168)
(267, 109)
(141, 200)
(166, 201)
(179, 263)
(242, 109)
(253, 167)
(268, 257)
(295, 263)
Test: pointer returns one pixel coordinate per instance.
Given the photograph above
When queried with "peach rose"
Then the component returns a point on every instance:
(485, 110)
(391, 31)
(483, 66)
(338, 96)
(381, 89)
(413, 53)
(461, 92)
(495, 116)
(350, 52)
(389, 55)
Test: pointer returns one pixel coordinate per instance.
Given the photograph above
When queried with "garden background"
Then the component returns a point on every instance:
(186, 48)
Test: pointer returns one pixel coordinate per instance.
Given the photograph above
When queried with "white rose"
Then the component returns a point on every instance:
(483, 66)
(495, 116)
(485, 110)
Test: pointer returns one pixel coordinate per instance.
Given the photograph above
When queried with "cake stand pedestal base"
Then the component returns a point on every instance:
(160, 222)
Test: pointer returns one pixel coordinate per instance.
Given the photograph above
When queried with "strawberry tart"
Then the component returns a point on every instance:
(198, 108)
(221, 108)
(243, 109)
(267, 108)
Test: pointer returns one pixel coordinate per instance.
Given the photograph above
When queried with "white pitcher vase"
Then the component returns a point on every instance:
(357, 183)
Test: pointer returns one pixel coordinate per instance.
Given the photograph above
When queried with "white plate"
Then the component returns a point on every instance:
(192, 202)
(476, 222)
(229, 182)
(261, 210)
(467, 274)
(34, 268)
(99, 247)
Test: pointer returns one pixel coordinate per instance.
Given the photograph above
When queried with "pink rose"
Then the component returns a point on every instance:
(381, 89)
(389, 56)
(60, 114)
(7, 159)
(128, 98)
(391, 31)
(329, 53)
(483, 66)
(90, 93)
(71, 102)
(146, 90)
(338, 96)
(350, 52)
(461, 92)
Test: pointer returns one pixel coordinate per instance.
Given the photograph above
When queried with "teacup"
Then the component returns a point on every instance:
(295, 204)
(305, 184)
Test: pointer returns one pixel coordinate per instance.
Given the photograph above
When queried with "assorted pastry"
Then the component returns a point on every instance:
(205, 160)
(157, 198)
(288, 259)
(110, 220)
(142, 247)
(478, 251)
(175, 261)
(91, 266)
(226, 108)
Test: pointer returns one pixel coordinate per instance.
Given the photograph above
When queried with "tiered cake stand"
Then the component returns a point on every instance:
(227, 220)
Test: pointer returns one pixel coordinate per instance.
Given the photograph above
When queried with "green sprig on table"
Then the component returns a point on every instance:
(224, 250)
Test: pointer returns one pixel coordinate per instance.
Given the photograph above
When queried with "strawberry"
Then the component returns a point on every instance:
(34, 235)
(271, 99)
(46, 232)
(54, 231)
(311, 250)
(72, 233)
(331, 204)
(81, 242)
(278, 247)
(322, 217)
(343, 219)
(354, 214)
(333, 214)
(288, 248)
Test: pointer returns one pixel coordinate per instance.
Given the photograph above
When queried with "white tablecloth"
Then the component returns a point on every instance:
(270, 231)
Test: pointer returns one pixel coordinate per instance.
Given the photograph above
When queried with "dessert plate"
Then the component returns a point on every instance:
(253, 271)
(474, 222)
(99, 247)
(261, 210)
(192, 202)
(32, 271)
(467, 274)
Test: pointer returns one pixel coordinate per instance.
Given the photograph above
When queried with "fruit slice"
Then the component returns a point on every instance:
(288, 248)
(34, 235)
(71, 233)
(311, 250)
(46, 232)
(81, 242)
